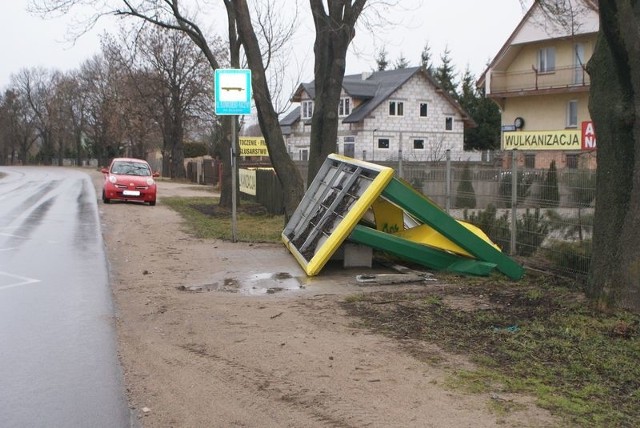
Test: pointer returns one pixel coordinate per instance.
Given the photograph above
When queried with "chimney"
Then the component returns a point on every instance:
(366, 75)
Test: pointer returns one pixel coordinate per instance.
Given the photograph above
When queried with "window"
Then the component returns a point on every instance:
(396, 108)
(383, 143)
(546, 60)
(448, 123)
(578, 64)
(344, 108)
(307, 109)
(349, 149)
(572, 161)
(304, 154)
(423, 109)
(530, 161)
(572, 114)
(418, 144)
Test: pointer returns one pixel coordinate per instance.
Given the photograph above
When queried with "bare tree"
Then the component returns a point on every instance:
(169, 79)
(6, 142)
(287, 172)
(614, 102)
(101, 81)
(274, 33)
(37, 85)
(74, 108)
(66, 117)
(335, 28)
(566, 15)
(171, 15)
(18, 129)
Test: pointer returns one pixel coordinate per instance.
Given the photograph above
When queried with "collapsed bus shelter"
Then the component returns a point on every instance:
(356, 201)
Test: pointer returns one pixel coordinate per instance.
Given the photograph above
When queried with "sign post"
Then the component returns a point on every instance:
(233, 98)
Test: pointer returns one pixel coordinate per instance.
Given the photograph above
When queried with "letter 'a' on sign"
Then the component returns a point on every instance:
(588, 136)
(232, 91)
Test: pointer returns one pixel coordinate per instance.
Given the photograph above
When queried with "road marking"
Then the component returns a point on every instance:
(21, 280)
(11, 235)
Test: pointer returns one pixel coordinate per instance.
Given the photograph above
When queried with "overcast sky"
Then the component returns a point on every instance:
(473, 30)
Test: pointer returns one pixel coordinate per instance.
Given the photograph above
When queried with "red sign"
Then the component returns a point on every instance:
(588, 136)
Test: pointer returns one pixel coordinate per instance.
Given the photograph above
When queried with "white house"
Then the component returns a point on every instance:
(386, 115)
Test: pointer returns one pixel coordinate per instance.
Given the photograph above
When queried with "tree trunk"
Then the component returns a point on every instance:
(286, 170)
(614, 278)
(177, 133)
(334, 32)
(77, 137)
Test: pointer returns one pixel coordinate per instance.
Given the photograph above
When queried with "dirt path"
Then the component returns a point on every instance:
(243, 353)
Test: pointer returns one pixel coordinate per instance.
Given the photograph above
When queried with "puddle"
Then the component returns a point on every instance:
(250, 284)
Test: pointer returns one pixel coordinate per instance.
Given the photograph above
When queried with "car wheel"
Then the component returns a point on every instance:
(152, 203)
(105, 199)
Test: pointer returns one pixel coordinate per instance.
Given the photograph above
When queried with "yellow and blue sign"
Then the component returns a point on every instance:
(568, 139)
(253, 146)
(565, 139)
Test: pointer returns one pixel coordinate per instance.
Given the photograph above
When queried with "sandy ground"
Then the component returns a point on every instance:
(217, 334)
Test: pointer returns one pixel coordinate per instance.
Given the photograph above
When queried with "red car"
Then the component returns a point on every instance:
(129, 179)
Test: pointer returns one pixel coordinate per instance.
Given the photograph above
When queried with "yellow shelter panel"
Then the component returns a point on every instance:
(426, 235)
(389, 218)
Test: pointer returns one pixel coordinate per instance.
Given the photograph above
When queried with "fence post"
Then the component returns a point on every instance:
(514, 200)
(400, 171)
(447, 204)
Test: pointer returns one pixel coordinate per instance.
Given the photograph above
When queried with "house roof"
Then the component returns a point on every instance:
(509, 49)
(374, 88)
(385, 83)
(291, 118)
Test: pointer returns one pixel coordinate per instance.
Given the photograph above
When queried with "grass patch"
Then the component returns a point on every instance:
(206, 219)
(538, 337)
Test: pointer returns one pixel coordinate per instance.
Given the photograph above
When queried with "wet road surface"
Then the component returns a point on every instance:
(58, 355)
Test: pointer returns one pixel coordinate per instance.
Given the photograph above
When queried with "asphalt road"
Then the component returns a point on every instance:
(58, 354)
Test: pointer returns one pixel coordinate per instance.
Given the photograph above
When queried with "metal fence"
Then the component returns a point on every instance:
(544, 218)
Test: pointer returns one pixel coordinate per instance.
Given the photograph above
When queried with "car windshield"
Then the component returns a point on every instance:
(130, 168)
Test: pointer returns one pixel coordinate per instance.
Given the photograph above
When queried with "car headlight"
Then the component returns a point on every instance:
(150, 182)
(113, 179)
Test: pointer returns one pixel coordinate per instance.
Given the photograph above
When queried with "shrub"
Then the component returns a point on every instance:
(417, 183)
(523, 183)
(549, 194)
(496, 228)
(532, 229)
(582, 187)
(571, 227)
(573, 256)
(465, 195)
(194, 150)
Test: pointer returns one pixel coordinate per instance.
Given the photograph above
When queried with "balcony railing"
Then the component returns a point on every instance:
(534, 80)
